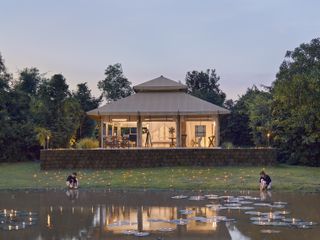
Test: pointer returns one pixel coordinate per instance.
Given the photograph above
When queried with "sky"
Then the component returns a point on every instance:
(244, 40)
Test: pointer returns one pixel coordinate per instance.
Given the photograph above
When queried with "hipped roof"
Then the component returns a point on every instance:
(160, 84)
(158, 97)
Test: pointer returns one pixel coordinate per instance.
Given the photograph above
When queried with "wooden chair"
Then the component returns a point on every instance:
(109, 142)
(124, 142)
(211, 141)
(116, 141)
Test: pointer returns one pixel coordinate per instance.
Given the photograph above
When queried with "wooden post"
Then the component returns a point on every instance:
(101, 133)
(217, 131)
(178, 134)
(139, 132)
(140, 218)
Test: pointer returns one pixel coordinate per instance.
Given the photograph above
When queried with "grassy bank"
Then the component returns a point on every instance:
(289, 178)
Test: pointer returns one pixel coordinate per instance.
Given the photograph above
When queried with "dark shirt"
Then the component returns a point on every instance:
(71, 179)
(266, 178)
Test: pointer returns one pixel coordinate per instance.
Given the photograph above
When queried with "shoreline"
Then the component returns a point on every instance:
(27, 176)
(101, 189)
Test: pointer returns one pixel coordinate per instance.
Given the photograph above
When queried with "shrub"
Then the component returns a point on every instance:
(86, 143)
(227, 145)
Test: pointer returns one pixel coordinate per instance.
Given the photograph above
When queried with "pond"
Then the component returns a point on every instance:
(115, 214)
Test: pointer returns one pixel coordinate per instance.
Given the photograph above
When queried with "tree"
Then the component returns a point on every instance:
(259, 113)
(205, 86)
(57, 111)
(250, 120)
(33, 108)
(16, 131)
(296, 104)
(5, 77)
(115, 85)
(235, 127)
(29, 79)
(4, 115)
(87, 103)
(43, 136)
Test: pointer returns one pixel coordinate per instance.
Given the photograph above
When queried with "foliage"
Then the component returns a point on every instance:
(87, 143)
(29, 80)
(172, 130)
(33, 108)
(5, 77)
(296, 104)
(259, 113)
(227, 145)
(43, 136)
(115, 85)
(58, 111)
(288, 111)
(250, 119)
(87, 103)
(235, 126)
(205, 85)
(16, 131)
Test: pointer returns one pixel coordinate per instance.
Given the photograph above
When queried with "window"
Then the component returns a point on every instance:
(109, 130)
(200, 131)
(125, 131)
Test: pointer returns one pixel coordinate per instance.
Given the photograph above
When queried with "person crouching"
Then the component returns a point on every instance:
(72, 181)
(265, 181)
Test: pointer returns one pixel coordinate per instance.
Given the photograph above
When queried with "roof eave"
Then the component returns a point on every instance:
(175, 113)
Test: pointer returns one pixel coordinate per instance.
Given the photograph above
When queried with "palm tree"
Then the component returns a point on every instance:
(43, 136)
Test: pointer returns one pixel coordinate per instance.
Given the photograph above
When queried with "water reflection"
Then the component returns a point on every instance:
(72, 194)
(234, 232)
(112, 215)
(265, 195)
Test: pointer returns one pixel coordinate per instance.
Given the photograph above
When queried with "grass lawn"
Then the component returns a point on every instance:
(284, 177)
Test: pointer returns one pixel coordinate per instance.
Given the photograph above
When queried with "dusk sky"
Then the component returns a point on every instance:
(244, 40)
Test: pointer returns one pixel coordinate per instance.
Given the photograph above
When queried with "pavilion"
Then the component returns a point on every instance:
(160, 114)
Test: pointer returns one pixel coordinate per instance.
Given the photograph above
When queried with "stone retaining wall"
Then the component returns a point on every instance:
(144, 158)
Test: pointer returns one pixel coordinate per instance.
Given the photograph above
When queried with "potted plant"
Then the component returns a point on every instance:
(172, 131)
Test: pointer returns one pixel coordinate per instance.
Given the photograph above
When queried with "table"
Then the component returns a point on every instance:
(172, 144)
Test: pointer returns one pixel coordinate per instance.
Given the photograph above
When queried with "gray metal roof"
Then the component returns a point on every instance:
(158, 103)
(160, 84)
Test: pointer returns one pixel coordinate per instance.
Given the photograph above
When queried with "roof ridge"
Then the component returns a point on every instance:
(160, 84)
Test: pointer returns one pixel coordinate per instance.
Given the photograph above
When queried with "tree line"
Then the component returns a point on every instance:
(37, 111)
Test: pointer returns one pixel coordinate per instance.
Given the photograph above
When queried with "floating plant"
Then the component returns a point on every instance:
(232, 205)
(269, 231)
(186, 212)
(179, 197)
(196, 198)
(254, 213)
(166, 229)
(180, 221)
(274, 218)
(156, 220)
(141, 234)
(262, 204)
(121, 223)
(211, 196)
(129, 232)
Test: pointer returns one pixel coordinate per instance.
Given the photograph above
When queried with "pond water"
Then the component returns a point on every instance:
(89, 214)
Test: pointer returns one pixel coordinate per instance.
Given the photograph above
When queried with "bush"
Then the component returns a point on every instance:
(86, 143)
(227, 145)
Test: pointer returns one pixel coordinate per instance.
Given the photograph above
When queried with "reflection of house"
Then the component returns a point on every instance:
(161, 114)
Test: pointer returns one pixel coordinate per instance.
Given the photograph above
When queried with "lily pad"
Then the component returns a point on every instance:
(141, 234)
(179, 197)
